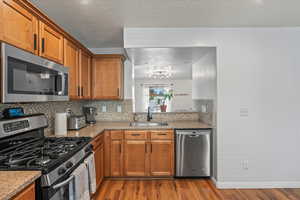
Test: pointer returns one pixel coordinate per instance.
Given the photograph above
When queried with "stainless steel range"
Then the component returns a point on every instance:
(23, 146)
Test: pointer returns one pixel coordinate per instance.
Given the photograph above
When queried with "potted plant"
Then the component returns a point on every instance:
(167, 96)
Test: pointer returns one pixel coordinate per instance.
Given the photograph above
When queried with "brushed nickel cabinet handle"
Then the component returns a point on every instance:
(118, 91)
(35, 41)
(161, 134)
(135, 134)
(82, 91)
(120, 148)
(78, 91)
(43, 45)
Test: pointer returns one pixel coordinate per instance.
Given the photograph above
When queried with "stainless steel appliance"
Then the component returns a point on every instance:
(90, 113)
(193, 153)
(30, 78)
(24, 147)
(76, 122)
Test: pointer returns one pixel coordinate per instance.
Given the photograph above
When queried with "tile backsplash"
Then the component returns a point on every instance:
(111, 114)
(48, 108)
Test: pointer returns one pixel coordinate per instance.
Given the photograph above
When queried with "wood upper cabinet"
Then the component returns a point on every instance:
(51, 43)
(162, 159)
(135, 156)
(116, 153)
(71, 60)
(18, 26)
(27, 194)
(107, 77)
(85, 75)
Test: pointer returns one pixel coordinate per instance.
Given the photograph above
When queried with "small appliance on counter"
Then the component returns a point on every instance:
(76, 122)
(90, 113)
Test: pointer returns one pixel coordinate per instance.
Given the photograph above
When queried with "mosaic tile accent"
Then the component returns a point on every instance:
(48, 108)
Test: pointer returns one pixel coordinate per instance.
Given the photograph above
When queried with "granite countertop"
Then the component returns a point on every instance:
(99, 127)
(13, 182)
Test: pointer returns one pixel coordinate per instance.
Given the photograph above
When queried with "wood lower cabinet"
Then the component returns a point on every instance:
(116, 153)
(51, 43)
(71, 60)
(162, 158)
(107, 77)
(27, 194)
(135, 157)
(18, 26)
(98, 148)
(140, 153)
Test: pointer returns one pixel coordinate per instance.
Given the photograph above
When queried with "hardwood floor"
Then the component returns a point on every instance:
(185, 189)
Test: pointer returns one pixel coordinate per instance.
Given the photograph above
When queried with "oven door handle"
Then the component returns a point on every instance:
(65, 182)
(61, 93)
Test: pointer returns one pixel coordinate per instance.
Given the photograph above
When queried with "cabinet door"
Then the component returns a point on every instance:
(99, 164)
(107, 78)
(135, 158)
(85, 75)
(71, 59)
(116, 161)
(26, 194)
(51, 43)
(162, 158)
(20, 27)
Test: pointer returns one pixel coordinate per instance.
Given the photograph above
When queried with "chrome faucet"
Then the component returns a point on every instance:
(149, 114)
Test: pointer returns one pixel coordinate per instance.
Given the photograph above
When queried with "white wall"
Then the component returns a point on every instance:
(258, 70)
(204, 76)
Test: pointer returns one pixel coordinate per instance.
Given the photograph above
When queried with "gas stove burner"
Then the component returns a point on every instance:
(42, 161)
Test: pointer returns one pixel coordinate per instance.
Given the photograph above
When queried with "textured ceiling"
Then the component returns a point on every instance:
(99, 23)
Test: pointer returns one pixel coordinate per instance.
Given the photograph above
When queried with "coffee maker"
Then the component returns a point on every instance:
(90, 113)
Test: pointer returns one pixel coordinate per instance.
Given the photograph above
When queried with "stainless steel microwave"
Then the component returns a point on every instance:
(30, 78)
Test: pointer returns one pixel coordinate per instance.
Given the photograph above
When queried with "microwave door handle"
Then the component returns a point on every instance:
(62, 84)
(63, 183)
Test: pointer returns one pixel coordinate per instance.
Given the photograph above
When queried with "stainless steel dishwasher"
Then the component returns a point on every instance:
(193, 153)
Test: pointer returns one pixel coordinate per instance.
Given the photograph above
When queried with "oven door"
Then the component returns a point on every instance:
(62, 190)
(30, 78)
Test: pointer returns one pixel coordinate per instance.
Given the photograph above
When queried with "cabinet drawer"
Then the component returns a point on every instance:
(136, 135)
(116, 135)
(162, 135)
(99, 140)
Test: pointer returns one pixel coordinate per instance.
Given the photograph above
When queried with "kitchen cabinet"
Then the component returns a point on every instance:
(51, 43)
(85, 75)
(98, 148)
(71, 60)
(19, 26)
(27, 194)
(135, 158)
(116, 153)
(140, 153)
(161, 158)
(107, 77)
(162, 153)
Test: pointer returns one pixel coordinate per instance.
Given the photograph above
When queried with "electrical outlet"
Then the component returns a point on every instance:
(245, 164)
(119, 108)
(68, 111)
(104, 108)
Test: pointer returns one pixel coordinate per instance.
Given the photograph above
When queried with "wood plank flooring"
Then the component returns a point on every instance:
(185, 189)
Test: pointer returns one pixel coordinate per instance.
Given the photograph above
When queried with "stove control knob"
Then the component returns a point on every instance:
(61, 171)
(69, 165)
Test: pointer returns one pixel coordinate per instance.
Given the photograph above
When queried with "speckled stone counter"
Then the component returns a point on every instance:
(13, 182)
(99, 127)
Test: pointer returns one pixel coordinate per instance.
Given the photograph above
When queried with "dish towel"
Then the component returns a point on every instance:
(81, 183)
(90, 164)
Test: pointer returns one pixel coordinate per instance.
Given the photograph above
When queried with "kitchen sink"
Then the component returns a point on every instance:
(149, 124)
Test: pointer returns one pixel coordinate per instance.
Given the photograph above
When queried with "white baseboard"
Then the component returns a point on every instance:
(254, 185)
